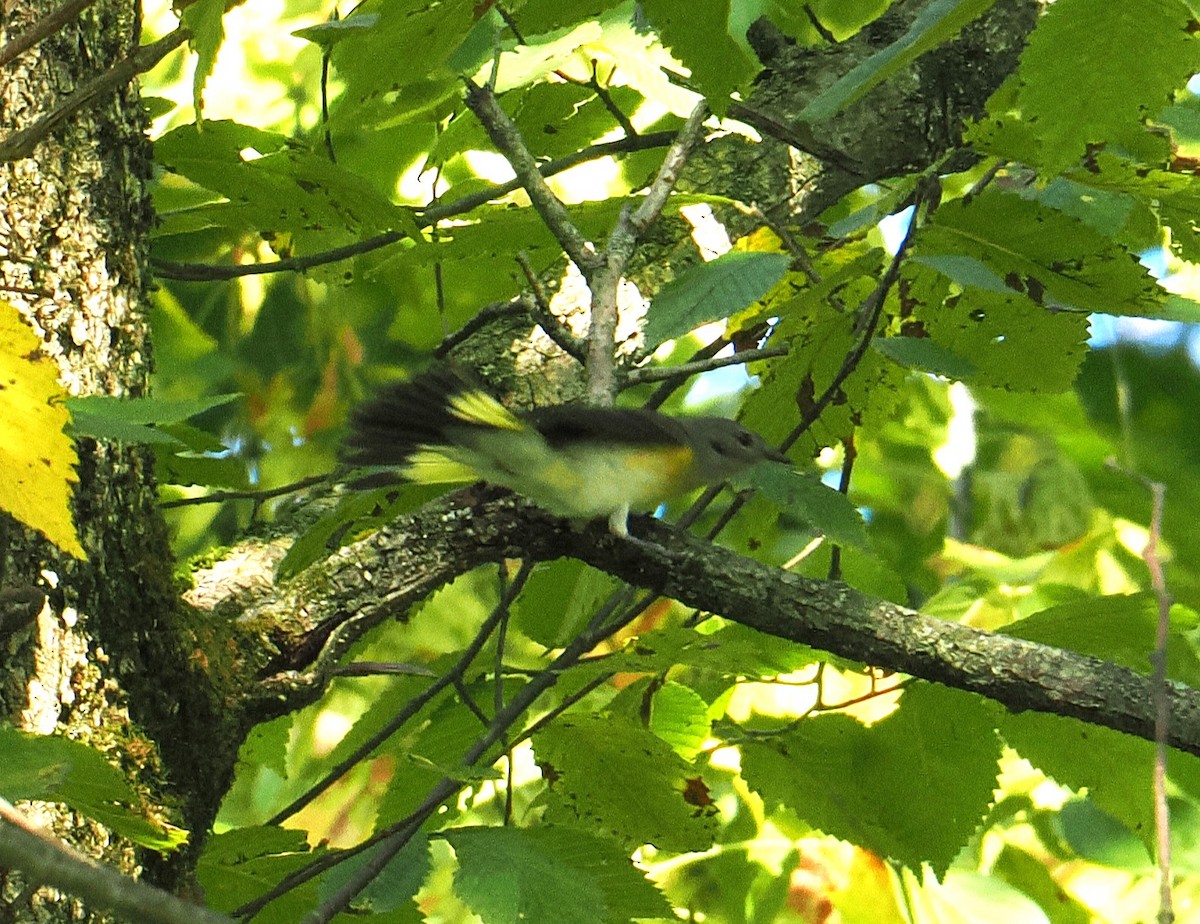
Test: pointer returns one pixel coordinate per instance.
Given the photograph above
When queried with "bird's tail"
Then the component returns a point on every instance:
(413, 429)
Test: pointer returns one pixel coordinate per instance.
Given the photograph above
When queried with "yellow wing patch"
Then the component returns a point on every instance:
(477, 407)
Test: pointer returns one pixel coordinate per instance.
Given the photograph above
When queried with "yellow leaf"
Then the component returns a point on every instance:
(37, 460)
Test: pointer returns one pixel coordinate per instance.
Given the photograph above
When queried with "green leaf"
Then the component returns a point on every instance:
(1149, 54)
(129, 420)
(871, 785)
(393, 888)
(1096, 836)
(240, 865)
(146, 410)
(1118, 628)
(697, 33)
(965, 270)
(937, 23)
(55, 769)
(407, 43)
(625, 782)
(549, 875)
(922, 353)
(537, 17)
(679, 715)
(711, 291)
(1050, 258)
(806, 498)
(559, 598)
(535, 61)
(327, 34)
(674, 712)
(204, 19)
(1116, 769)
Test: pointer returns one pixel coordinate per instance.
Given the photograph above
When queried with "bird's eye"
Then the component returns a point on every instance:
(746, 439)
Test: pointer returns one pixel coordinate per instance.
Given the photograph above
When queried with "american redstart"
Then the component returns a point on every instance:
(573, 460)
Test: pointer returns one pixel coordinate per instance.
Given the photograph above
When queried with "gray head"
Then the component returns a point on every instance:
(723, 447)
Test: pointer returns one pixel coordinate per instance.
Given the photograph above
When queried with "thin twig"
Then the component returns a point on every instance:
(555, 329)
(49, 24)
(605, 280)
(1158, 679)
(507, 139)
(257, 495)
(211, 272)
(398, 834)
(688, 369)
(21, 144)
(850, 453)
(410, 708)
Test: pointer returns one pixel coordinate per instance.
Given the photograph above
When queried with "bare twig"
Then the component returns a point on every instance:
(555, 329)
(398, 834)
(21, 144)
(263, 494)
(688, 369)
(508, 140)
(869, 314)
(1158, 679)
(46, 860)
(413, 706)
(606, 279)
(46, 26)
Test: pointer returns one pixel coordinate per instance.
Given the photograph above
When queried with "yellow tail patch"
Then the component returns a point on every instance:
(432, 466)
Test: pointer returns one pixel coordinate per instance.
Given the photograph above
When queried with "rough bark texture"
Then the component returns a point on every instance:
(321, 613)
(103, 662)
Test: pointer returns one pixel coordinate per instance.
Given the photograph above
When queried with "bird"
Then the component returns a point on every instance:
(572, 460)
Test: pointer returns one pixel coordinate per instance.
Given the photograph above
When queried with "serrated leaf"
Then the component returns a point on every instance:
(37, 459)
(239, 865)
(54, 769)
(534, 61)
(1048, 257)
(146, 410)
(1116, 769)
(393, 888)
(697, 33)
(864, 784)
(806, 498)
(922, 353)
(937, 23)
(625, 782)
(559, 597)
(405, 45)
(550, 875)
(204, 19)
(711, 291)
(679, 715)
(129, 420)
(1150, 53)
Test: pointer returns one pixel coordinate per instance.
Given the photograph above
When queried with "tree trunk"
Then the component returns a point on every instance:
(102, 662)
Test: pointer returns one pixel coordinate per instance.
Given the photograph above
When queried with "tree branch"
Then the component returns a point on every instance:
(46, 860)
(21, 144)
(508, 141)
(481, 525)
(45, 27)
